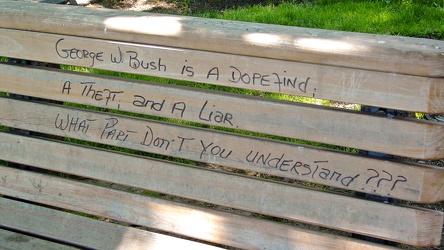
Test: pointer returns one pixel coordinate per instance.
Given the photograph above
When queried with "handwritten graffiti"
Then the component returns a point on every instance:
(134, 59)
(140, 59)
(78, 54)
(153, 137)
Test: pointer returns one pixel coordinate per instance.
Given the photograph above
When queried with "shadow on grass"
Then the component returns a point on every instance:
(186, 6)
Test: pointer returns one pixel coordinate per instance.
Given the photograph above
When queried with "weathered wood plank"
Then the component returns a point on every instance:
(420, 227)
(403, 137)
(13, 241)
(395, 91)
(84, 232)
(210, 225)
(333, 168)
(346, 49)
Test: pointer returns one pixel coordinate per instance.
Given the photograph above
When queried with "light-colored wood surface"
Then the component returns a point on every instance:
(83, 231)
(345, 49)
(370, 69)
(210, 225)
(395, 91)
(13, 241)
(419, 227)
(403, 137)
(405, 181)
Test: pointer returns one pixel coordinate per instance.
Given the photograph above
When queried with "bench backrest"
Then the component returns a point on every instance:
(214, 147)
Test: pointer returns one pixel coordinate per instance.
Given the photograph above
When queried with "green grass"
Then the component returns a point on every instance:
(398, 17)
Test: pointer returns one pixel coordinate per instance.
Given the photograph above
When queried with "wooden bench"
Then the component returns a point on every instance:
(158, 165)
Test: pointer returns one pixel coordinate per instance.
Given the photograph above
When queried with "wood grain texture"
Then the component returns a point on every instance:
(395, 91)
(84, 232)
(374, 70)
(13, 241)
(210, 225)
(419, 227)
(332, 168)
(396, 136)
(346, 49)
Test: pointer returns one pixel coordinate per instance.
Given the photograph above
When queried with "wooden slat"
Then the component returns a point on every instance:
(225, 228)
(85, 232)
(420, 227)
(395, 91)
(345, 49)
(403, 137)
(13, 241)
(333, 168)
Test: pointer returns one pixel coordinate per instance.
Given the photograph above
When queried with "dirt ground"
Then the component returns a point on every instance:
(139, 5)
(175, 7)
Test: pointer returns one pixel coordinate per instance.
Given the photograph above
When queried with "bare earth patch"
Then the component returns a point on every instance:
(139, 5)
